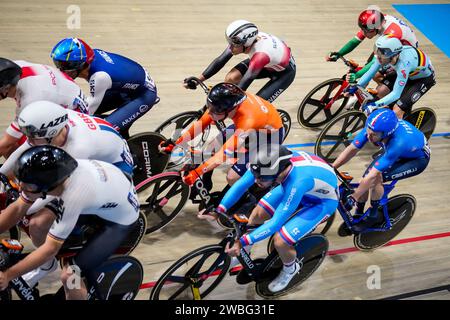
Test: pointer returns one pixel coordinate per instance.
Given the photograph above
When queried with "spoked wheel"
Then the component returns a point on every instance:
(161, 198)
(312, 113)
(423, 119)
(194, 276)
(320, 229)
(174, 127)
(311, 251)
(401, 210)
(286, 119)
(147, 159)
(338, 134)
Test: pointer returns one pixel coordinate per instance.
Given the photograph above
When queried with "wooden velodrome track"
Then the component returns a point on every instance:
(176, 39)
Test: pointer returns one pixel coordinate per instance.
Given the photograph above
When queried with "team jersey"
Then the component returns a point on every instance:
(407, 142)
(412, 64)
(309, 181)
(94, 188)
(396, 27)
(254, 115)
(88, 138)
(113, 73)
(40, 82)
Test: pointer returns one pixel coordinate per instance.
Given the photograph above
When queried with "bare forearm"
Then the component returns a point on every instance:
(345, 156)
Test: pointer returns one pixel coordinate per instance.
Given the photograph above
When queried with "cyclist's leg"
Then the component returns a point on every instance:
(97, 250)
(124, 116)
(235, 75)
(111, 101)
(278, 83)
(386, 85)
(413, 91)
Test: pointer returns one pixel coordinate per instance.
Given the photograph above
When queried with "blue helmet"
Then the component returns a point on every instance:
(383, 120)
(72, 54)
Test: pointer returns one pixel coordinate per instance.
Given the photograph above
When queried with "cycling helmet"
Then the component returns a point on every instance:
(270, 162)
(241, 33)
(388, 46)
(72, 54)
(10, 73)
(42, 119)
(44, 167)
(370, 20)
(224, 97)
(384, 121)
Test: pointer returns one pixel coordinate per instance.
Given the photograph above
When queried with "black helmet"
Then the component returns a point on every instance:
(45, 167)
(270, 162)
(10, 72)
(224, 97)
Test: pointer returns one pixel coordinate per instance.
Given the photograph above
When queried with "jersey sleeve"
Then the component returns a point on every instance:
(196, 128)
(258, 61)
(365, 79)
(99, 82)
(360, 35)
(218, 63)
(8, 166)
(237, 190)
(360, 139)
(14, 131)
(293, 194)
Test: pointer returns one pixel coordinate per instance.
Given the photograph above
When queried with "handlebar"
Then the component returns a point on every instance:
(193, 82)
(353, 65)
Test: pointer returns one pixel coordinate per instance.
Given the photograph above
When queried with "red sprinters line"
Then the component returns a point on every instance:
(343, 251)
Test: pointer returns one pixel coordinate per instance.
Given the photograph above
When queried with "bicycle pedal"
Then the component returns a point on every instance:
(235, 270)
(243, 277)
(344, 231)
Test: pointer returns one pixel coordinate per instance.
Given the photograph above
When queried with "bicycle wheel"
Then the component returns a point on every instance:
(193, 276)
(286, 119)
(401, 210)
(423, 119)
(338, 134)
(161, 198)
(147, 159)
(174, 127)
(311, 251)
(312, 113)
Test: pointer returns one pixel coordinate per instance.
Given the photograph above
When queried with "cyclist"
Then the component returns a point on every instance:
(115, 82)
(28, 82)
(413, 77)
(298, 179)
(82, 136)
(254, 120)
(269, 57)
(373, 22)
(81, 187)
(406, 154)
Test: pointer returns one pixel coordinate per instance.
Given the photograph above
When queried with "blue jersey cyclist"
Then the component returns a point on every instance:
(302, 179)
(406, 154)
(411, 77)
(116, 82)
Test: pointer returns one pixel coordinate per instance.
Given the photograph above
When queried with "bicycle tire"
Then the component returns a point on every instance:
(287, 122)
(423, 119)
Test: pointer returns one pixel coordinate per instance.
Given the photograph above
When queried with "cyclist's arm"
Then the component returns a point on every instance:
(236, 191)
(365, 79)
(217, 63)
(257, 63)
(352, 44)
(13, 213)
(349, 152)
(8, 166)
(98, 84)
(366, 68)
(196, 128)
(8, 143)
(293, 194)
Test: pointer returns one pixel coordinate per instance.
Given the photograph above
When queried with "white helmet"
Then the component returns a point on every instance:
(241, 33)
(388, 46)
(42, 119)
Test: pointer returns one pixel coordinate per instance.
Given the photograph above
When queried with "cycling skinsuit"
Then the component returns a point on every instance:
(88, 138)
(406, 153)
(256, 120)
(40, 82)
(413, 77)
(311, 184)
(118, 83)
(270, 58)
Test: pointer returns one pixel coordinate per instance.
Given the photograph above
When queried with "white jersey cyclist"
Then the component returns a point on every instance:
(42, 82)
(86, 137)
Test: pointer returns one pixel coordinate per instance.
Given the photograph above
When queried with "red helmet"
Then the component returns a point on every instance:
(370, 20)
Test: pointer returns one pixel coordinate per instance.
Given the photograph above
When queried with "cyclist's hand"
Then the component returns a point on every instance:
(190, 83)
(348, 202)
(166, 146)
(350, 91)
(332, 56)
(369, 108)
(235, 250)
(190, 178)
(350, 77)
(210, 216)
